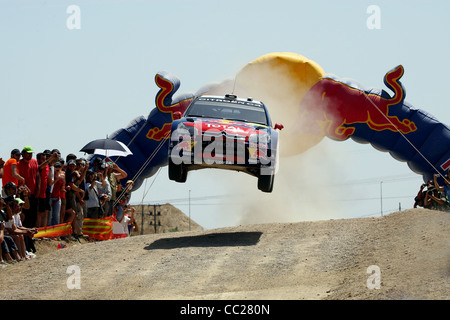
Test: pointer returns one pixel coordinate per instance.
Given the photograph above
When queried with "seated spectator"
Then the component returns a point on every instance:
(21, 192)
(9, 249)
(15, 228)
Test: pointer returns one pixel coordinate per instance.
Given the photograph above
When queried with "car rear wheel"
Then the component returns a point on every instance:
(265, 182)
(177, 172)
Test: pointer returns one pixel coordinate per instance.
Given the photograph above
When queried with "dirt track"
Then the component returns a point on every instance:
(305, 260)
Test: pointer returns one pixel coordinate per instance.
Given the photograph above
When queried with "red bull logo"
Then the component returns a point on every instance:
(164, 104)
(333, 108)
(446, 165)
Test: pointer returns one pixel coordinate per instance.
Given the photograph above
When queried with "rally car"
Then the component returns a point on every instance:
(224, 132)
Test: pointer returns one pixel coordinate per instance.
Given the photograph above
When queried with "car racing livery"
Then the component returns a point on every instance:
(224, 132)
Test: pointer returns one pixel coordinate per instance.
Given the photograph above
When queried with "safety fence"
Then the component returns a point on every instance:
(99, 229)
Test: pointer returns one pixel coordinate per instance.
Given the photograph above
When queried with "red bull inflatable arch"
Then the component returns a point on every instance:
(311, 105)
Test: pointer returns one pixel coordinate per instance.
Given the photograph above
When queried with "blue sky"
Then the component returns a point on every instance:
(61, 88)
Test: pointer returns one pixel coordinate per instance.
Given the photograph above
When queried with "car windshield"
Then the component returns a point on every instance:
(226, 109)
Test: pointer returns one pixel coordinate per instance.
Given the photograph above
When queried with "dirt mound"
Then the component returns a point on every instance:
(163, 218)
(333, 259)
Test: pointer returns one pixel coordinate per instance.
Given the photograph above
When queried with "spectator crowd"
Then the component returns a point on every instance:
(49, 190)
(433, 195)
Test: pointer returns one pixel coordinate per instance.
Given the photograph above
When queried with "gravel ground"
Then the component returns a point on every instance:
(304, 260)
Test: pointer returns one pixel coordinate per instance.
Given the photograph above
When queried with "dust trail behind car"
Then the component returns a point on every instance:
(303, 175)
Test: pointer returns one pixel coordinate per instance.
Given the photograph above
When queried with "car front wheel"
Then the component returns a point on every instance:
(177, 172)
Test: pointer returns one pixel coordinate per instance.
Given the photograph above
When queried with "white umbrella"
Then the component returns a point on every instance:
(113, 153)
(107, 148)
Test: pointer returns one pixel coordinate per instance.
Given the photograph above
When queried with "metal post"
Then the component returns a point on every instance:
(381, 197)
(154, 215)
(189, 210)
(142, 222)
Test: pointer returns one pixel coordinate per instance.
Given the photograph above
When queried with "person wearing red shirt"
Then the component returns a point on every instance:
(28, 169)
(45, 180)
(56, 195)
(10, 172)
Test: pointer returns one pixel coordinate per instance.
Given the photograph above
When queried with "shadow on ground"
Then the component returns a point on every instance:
(209, 240)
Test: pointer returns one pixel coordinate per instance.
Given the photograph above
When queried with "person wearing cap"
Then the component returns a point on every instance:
(56, 195)
(72, 188)
(46, 161)
(15, 228)
(8, 247)
(445, 189)
(114, 174)
(29, 168)
(10, 172)
(11, 189)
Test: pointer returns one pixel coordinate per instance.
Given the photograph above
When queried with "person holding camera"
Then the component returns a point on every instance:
(15, 228)
(444, 190)
(72, 188)
(113, 173)
(94, 210)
